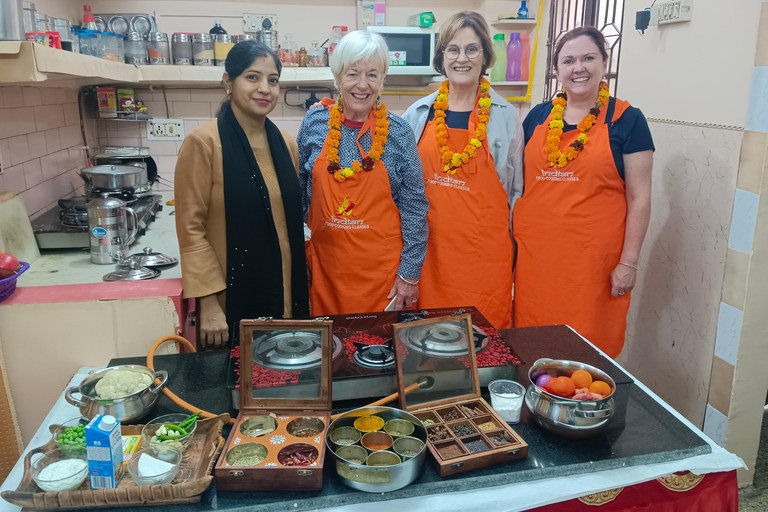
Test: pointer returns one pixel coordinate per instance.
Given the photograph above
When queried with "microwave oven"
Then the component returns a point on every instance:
(411, 49)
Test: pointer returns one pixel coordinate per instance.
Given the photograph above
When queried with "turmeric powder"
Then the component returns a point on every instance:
(369, 423)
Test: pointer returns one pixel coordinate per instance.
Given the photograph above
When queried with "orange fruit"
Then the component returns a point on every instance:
(582, 379)
(548, 386)
(564, 386)
(601, 388)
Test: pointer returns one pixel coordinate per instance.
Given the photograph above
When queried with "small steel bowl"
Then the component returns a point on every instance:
(398, 428)
(344, 436)
(353, 453)
(403, 445)
(383, 458)
(377, 439)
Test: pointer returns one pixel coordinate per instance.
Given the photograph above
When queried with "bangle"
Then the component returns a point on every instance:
(628, 265)
(409, 281)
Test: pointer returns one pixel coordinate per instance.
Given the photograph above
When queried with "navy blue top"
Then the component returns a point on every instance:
(629, 134)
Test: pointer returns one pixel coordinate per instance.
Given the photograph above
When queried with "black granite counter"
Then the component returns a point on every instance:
(643, 432)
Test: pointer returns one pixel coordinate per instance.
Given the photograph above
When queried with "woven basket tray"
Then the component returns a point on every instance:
(194, 477)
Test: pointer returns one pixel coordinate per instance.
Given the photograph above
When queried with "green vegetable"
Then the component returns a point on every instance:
(189, 421)
(167, 438)
(175, 428)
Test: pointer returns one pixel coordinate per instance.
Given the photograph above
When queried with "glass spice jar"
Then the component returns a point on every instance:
(203, 49)
(289, 52)
(158, 50)
(222, 43)
(302, 57)
(317, 56)
(135, 48)
(182, 49)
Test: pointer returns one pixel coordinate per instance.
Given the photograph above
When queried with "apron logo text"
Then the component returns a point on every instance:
(447, 181)
(555, 175)
(345, 223)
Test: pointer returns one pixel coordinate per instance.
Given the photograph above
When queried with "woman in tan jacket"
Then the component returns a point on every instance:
(238, 205)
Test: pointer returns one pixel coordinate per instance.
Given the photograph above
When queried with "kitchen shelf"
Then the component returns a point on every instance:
(499, 84)
(524, 24)
(27, 63)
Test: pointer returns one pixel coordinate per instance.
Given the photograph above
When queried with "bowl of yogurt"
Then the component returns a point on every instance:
(60, 470)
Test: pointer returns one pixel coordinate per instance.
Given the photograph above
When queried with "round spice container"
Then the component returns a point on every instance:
(398, 428)
(345, 436)
(383, 459)
(377, 441)
(248, 454)
(222, 43)
(369, 423)
(203, 50)
(407, 447)
(353, 454)
(135, 48)
(158, 50)
(305, 427)
(182, 49)
(299, 454)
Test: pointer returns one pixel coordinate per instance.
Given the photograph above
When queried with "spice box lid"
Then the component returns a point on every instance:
(438, 355)
(289, 362)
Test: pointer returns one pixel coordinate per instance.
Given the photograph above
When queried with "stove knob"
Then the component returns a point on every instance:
(141, 232)
(158, 207)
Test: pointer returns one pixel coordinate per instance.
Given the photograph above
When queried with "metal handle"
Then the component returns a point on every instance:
(163, 376)
(135, 229)
(600, 413)
(71, 399)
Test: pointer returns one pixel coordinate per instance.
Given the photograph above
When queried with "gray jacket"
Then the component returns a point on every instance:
(505, 140)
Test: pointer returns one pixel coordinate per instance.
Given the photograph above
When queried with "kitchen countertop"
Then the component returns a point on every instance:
(647, 439)
(73, 266)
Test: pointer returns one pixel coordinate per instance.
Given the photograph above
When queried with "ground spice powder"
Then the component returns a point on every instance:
(369, 423)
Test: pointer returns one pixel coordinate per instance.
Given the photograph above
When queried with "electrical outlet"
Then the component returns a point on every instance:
(165, 129)
(252, 22)
(674, 12)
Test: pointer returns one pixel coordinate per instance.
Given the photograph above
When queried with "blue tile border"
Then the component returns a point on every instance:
(743, 220)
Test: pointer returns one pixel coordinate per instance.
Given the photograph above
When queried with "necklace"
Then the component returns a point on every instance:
(380, 134)
(453, 160)
(556, 157)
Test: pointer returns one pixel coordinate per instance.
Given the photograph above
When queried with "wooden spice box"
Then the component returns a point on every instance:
(450, 395)
(298, 405)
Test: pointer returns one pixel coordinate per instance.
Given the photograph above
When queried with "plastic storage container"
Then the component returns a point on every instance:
(514, 58)
(525, 63)
(109, 46)
(203, 49)
(74, 36)
(317, 56)
(90, 43)
(135, 48)
(289, 52)
(499, 69)
(120, 48)
(222, 43)
(182, 49)
(158, 50)
(29, 17)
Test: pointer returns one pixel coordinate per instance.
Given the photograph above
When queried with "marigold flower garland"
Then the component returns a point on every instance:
(556, 157)
(380, 135)
(453, 160)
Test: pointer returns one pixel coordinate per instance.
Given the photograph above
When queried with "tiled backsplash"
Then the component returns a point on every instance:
(41, 145)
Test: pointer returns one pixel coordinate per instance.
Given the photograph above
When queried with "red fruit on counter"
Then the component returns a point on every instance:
(8, 265)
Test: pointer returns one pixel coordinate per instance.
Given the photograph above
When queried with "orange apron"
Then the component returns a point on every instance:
(569, 229)
(469, 252)
(354, 251)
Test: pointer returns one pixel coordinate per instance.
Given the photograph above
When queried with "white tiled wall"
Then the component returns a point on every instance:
(41, 145)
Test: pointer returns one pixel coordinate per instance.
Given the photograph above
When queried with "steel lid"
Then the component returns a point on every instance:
(131, 271)
(105, 201)
(111, 169)
(149, 258)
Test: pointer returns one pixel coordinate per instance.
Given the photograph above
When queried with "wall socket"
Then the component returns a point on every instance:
(675, 11)
(252, 22)
(165, 129)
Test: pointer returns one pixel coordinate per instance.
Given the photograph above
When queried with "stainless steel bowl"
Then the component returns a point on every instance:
(564, 417)
(116, 177)
(380, 478)
(126, 409)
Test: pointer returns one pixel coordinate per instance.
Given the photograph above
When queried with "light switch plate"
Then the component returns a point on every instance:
(165, 129)
(675, 11)
(252, 22)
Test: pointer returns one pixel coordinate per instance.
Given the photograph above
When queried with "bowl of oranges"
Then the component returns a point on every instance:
(570, 399)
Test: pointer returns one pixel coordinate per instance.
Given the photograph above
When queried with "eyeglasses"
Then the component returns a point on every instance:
(453, 52)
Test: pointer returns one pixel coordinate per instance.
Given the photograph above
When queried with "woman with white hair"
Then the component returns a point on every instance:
(363, 190)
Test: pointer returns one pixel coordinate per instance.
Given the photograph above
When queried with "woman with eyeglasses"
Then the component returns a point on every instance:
(471, 147)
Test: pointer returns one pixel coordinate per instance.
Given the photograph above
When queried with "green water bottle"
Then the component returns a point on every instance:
(499, 69)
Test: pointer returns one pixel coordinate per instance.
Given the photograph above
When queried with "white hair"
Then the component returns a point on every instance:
(356, 46)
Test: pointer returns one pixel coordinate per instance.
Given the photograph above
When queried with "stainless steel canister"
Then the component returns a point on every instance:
(158, 50)
(12, 20)
(109, 228)
(42, 22)
(222, 43)
(182, 49)
(269, 38)
(135, 48)
(29, 17)
(202, 46)
(245, 37)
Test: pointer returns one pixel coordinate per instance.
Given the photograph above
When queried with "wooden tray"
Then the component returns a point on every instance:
(194, 477)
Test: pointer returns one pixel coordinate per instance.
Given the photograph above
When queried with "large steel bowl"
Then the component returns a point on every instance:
(379, 478)
(564, 417)
(127, 408)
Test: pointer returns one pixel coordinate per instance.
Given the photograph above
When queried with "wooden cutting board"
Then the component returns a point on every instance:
(16, 235)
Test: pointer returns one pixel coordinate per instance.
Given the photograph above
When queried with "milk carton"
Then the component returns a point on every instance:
(104, 446)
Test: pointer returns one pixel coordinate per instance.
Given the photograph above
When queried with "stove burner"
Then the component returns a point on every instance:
(374, 356)
(447, 339)
(294, 350)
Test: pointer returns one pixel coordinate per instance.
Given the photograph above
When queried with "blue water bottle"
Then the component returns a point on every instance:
(522, 13)
(514, 58)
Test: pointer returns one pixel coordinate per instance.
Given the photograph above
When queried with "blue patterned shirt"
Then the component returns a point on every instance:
(406, 178)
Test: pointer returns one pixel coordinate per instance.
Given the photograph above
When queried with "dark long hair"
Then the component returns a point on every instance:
(240, 58)
(595, 35)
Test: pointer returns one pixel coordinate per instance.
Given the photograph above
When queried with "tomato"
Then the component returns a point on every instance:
(8, 265)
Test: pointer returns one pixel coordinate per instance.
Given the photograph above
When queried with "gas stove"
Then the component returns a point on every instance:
(363, 352)
(67, 226)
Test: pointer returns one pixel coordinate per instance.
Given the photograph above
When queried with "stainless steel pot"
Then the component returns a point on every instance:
(126, 409)
(379, 478)
(116, 177)
(564, 417)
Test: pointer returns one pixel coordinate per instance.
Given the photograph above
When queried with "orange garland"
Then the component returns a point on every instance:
(556, 157)
(453, 160)
(380, 135)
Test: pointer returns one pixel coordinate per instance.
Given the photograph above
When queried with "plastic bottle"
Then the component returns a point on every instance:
(217, 28)
(499, 69)
(522, 13)
(514, 58)
(88, 22)
(525, 63)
